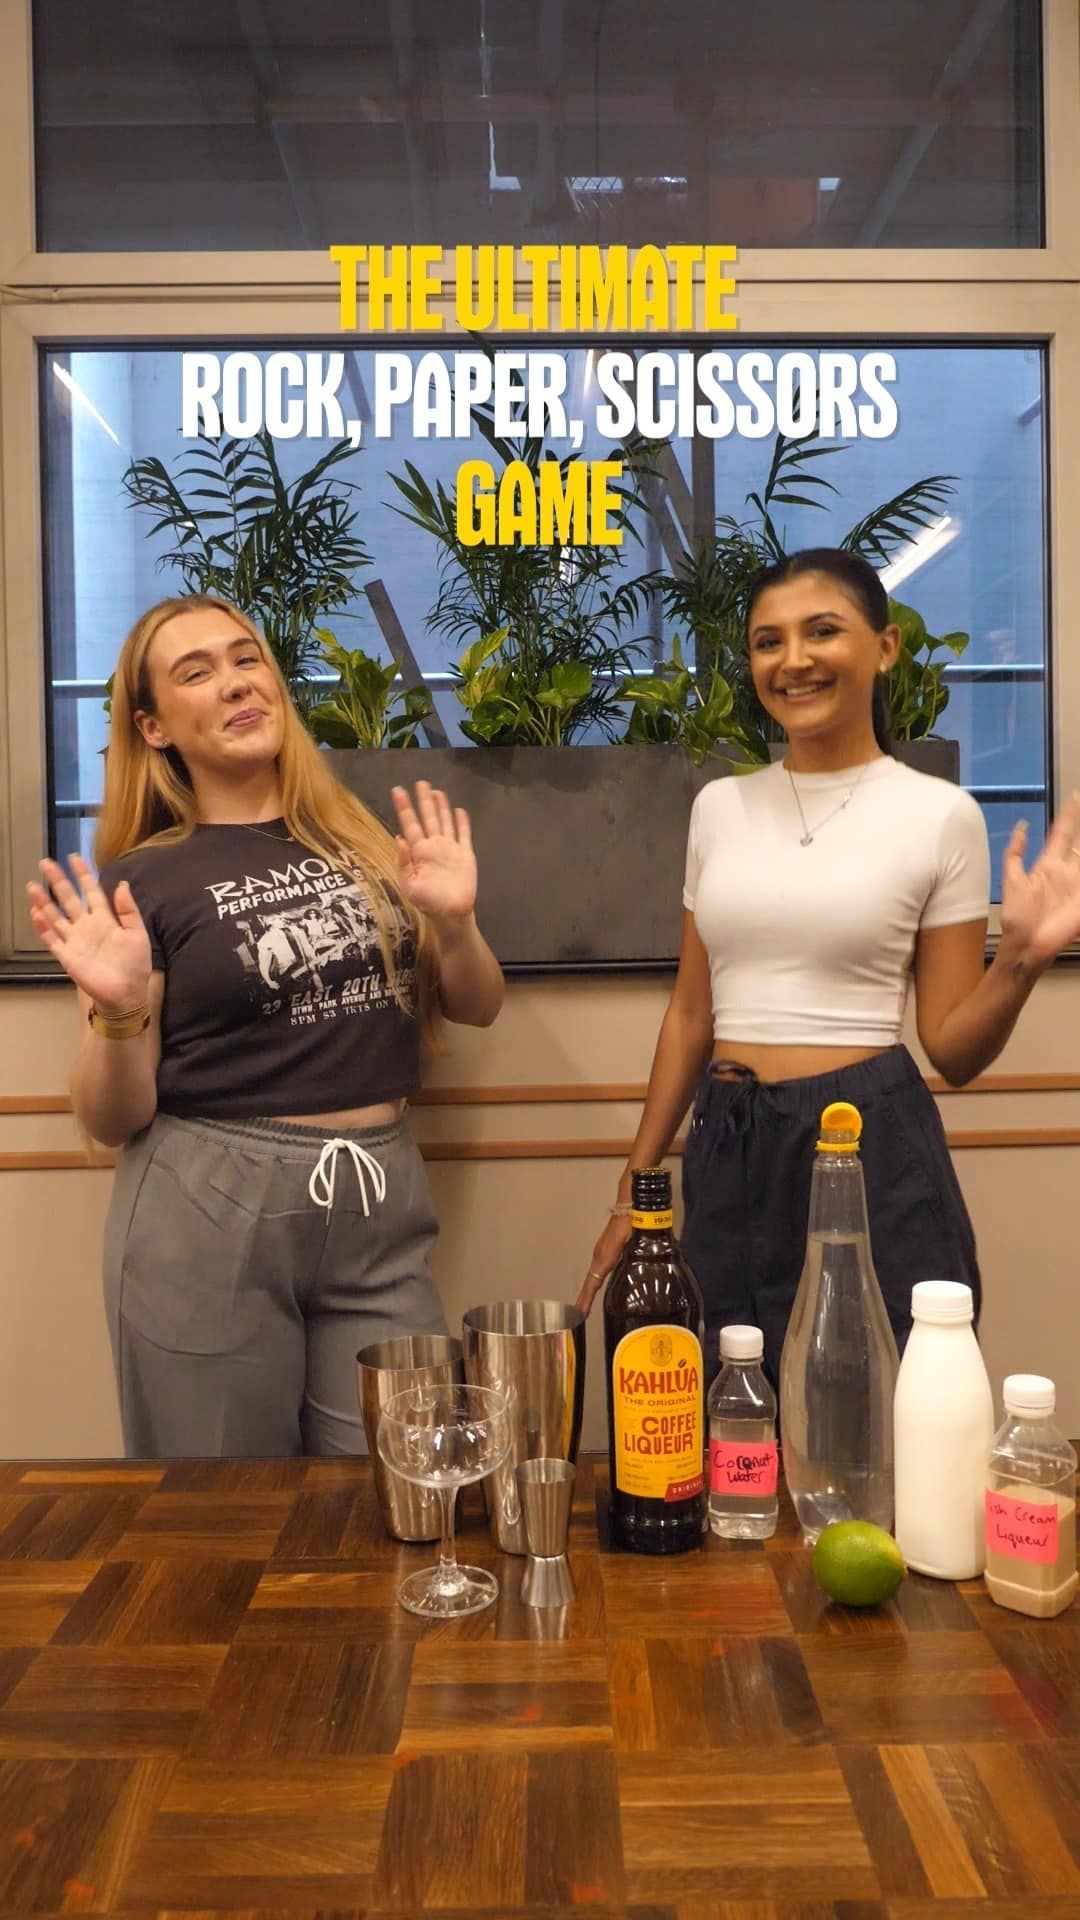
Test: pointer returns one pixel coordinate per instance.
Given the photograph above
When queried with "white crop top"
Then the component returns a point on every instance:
(813, 945)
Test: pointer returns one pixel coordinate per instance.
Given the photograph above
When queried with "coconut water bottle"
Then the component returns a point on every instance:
(742, 1440)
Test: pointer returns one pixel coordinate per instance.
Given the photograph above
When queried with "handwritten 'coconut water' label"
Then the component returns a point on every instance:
(1022, 1529)
(741, 1469)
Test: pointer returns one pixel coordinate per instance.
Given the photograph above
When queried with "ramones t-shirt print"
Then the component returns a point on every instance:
(276, 999)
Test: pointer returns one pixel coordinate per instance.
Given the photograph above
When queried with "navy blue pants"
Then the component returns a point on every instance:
(746, 1191)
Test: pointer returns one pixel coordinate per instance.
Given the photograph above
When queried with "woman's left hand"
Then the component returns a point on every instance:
(1040, 910)
(436, 861)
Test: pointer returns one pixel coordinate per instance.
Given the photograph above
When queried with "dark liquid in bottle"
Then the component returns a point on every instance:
(653, 1333)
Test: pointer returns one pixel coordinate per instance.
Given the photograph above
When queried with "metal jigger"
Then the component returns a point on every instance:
(546, 1488)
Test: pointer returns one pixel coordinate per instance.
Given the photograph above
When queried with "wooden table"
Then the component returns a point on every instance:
(209, 1701)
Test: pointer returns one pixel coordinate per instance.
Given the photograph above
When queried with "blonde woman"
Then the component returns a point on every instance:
(257, 965)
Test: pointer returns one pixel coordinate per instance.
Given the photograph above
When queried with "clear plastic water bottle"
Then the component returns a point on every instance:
(742, 1440)
(839, 1362)
(1030, 1504)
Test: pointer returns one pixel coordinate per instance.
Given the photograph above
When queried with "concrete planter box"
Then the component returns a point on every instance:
(581, 849)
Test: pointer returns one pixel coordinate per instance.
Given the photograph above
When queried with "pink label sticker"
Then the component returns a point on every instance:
(741, 1467)
(1022, 1529)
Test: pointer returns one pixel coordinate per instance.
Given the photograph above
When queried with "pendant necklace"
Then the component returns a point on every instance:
(808, 835)
(281, 838)
(246, 826)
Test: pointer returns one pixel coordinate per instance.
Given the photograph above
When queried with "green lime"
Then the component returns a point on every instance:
(857, 1563)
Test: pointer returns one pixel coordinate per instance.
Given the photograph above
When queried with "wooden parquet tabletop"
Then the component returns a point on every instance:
(210, 1703)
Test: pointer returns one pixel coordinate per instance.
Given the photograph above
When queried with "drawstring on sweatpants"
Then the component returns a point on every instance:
(321, 1184)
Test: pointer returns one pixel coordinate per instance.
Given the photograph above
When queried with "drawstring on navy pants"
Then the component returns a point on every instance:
(743, 1087)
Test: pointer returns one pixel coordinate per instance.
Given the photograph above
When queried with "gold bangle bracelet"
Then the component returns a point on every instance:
(122, 1026)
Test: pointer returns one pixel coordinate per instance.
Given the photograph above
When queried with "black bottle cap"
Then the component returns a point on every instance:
(650, 1190)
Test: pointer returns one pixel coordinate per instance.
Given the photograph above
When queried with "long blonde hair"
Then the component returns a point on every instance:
(149, 799)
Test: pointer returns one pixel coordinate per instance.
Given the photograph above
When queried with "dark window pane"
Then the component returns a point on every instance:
(971, 411)
(262, 125)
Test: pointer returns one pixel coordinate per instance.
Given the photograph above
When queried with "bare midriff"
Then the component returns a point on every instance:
(791, 1063)
(382, 1115)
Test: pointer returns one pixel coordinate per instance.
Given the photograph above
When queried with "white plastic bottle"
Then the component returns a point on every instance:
(742, 1440)
(943, 1432)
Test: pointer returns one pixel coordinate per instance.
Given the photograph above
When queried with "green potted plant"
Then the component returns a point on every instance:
(554, 652)
(287, 554)
(558, 606)
(366, 707)
(710, 591)
(550, 652)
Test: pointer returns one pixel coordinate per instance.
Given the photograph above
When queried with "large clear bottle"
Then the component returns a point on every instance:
(742, 1440)
(1031, 1504)
(839, 1362)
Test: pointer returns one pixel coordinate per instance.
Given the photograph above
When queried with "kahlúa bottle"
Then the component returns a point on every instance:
(1031, 1504)
(653, 1333)
(943, 1429)
(741, 1412)
(839, 1362)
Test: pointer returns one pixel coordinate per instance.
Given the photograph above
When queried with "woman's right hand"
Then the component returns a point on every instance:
(104, 949)
(605, 1254)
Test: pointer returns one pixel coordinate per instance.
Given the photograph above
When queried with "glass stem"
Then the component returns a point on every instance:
(448, 1567)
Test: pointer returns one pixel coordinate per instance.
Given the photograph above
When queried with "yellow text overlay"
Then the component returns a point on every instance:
(536, 288)
(576, 504)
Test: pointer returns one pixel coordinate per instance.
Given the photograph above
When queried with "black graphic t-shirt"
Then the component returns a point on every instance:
(276, 996)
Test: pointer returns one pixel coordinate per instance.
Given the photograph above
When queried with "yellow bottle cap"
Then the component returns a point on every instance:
(841, 1127)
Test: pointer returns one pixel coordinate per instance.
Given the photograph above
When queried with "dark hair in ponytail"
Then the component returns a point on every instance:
(861, 584)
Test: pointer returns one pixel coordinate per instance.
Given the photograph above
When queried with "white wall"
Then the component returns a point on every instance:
(519, 1226)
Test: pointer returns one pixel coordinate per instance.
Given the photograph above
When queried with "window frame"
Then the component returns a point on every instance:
(23, 265)
(175, 298)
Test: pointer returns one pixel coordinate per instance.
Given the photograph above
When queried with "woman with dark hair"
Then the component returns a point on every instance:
(816, 891)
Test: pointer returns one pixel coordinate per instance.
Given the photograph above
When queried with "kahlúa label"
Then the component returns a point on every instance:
(1022, 1529)
(656, 1396)
(735, 1467)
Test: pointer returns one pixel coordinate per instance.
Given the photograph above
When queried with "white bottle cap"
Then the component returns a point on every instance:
(1029, 1393)
(741, 1343)
(942, 1302)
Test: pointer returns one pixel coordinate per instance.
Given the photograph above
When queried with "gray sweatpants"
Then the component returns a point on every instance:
(237, 1303)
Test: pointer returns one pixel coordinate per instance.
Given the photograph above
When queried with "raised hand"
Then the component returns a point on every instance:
(1040, 909)
(104, 949)
(436, 863)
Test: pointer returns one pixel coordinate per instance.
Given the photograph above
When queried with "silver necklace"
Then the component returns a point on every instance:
(808, 836)
(281, 838)
(245, 826)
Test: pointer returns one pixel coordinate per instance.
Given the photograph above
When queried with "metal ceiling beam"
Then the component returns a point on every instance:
(403, 40)
(268, 79)
(546, 177)
(399, 649)
(149, 100)
(954, 76)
